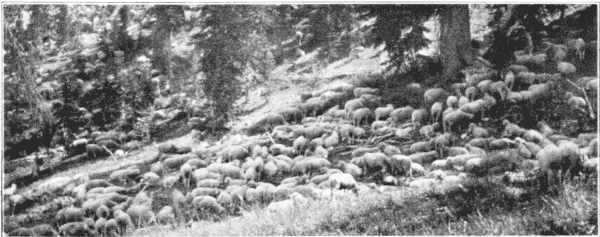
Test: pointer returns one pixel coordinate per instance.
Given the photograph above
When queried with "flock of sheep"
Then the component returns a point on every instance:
(297, 153)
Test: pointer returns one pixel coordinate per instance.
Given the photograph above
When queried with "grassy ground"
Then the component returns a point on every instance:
(481, 208)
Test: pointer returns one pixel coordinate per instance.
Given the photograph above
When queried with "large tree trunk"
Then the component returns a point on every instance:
(455, 41)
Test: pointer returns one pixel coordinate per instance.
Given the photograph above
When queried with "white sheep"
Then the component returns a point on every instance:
(383, 112)
(578, 45)
(455, 116)
(352, 105)
(362, 114)
(565, 68)
(401, 114)
(343, 181)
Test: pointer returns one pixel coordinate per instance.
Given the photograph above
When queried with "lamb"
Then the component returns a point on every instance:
(383, 112)
(401, 114)
(343, 181)
(565, 68)
(362, 114)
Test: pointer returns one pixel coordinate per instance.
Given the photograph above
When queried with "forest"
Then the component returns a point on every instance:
(129, 119)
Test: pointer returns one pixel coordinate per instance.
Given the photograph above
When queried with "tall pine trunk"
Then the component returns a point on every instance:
(455, 41)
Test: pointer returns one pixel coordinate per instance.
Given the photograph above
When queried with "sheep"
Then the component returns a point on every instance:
(363, 150)
(419, 118)
(343, 181)
(439, 164)
(291, 114)
(75, 229)
(21, 232)
(296, 200)
(565, 68)
(95, 151)
(310, 165)
(352, 105)
(524, 79)
(476, 131)
(398, 165)
(44, 230)
(141, 215)
(429, 131)
(166, 215)
(102, 212)
(304, 96)
(434, 94)
(170, 181)
(176, 161)
(565, 158)
(424, 157)
(371, 101)
(575, 102)
(100, 226)
(69, 214)
(509, 80)
(471, 93)
(590, 168)
(422, 146)
(376, 125)
(436, 111)
(383, 112)
(389, 150)
(400, 115)
(111, 228)
(454, 151)
(499, 88)
(532, 135)
(351, 169)
(578, 45)
(501, 144)
(511, 129)
(593, 148)
(362, 114)
(204, 173)
(235, 152)
(453, 117)
(259, 151)
(416, 169)
(359, 91)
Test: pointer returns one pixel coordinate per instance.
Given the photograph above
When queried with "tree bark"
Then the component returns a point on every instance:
(455, 41)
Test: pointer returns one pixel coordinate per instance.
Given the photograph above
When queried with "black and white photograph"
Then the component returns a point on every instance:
(281, 118)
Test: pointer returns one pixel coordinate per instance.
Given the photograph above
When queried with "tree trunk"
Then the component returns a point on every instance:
(455, 41)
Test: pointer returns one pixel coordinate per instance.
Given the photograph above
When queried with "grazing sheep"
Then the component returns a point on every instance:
(416, 169)
(534, 136)
(359, 91)
(476, 131)
(291, 114)
(383, 112)
(185, 172)
(362, 114)
(170, 181)
(532, 147)
(509, 80)
(418, 118)
(176, 161)
(166, 215)
(454, 151)
(389, 150)
(44, 230)
(100, 226)
(575, 102)
(74, 229)
(481, 143)
(343, 181)
(422, 146)
(95, 151)
(363, 150)
(351, 169)
(453, 117)
(434, 94)
(424, 157)
(512, 130)
(141, 215)
(261, 151)
(501, 144)
(69, 214)
(111, 228)
(565, 158)
(471, 93)
(352, 105)
(371, 101)
(400, 115)
(235, 152)
(398, 165)
(439, 164)
(593, 148)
